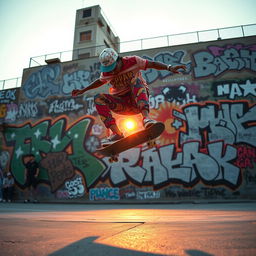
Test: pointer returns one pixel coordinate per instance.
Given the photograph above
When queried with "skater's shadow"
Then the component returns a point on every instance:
(88, 246)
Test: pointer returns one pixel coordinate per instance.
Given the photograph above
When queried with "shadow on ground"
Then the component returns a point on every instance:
(88, 246)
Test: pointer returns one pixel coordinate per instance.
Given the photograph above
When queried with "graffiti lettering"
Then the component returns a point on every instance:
(246, 157)
(160, 166)
(90, 106)
(75, 187)
(233, 90)
(64, 106)
(204, 192)
(176, 58)
(47, 137)
(28, 109)
(142, 195)
(7, 95)
(104, 194)
(230, 122)
(76, 80)
(208, 64)
(43, 83)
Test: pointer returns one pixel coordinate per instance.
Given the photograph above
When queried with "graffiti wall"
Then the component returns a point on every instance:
(207, 151)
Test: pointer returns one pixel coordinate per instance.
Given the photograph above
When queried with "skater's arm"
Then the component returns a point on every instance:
(96, 84)
(161, 66)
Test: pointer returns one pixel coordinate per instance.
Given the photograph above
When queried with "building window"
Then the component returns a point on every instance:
(87, 13)
(86, 36)
(84, 55)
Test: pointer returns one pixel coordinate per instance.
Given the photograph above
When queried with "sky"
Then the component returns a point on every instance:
(30, 28)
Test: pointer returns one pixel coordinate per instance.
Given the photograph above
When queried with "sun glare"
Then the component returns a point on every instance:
(129, 124)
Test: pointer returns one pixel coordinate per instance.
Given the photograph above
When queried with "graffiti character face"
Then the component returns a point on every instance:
(175, 94)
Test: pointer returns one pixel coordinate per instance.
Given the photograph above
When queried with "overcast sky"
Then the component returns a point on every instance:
(30, 28)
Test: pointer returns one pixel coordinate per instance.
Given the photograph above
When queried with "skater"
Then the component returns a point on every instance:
(128, 94)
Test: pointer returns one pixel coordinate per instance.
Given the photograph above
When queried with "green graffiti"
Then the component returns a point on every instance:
(48, 137)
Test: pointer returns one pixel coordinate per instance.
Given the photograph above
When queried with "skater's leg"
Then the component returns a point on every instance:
(141, 97)
(106, 103)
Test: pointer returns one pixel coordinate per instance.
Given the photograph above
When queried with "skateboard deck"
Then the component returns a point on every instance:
(133, 140)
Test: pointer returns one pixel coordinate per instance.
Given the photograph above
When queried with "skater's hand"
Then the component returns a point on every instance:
(175, 69)
(76, 93)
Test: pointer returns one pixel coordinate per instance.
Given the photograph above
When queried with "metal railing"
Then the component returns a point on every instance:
(148, 43)
(155, 42)
(10, 83)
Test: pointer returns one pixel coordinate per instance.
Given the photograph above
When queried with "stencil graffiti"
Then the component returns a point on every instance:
(233, 89)
(217, 60)
(178, 95)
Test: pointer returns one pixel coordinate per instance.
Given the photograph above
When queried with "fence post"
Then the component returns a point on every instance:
(242, 27)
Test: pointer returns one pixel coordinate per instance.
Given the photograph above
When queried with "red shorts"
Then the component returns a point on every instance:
(128, 104)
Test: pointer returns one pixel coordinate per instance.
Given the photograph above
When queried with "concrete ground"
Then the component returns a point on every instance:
(139, 230)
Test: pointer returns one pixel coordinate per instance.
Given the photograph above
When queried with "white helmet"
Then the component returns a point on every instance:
(108, 60)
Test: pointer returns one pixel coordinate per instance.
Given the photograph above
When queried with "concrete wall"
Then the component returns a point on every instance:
(208, 150)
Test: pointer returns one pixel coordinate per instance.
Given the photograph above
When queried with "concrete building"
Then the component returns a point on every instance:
(92, 33)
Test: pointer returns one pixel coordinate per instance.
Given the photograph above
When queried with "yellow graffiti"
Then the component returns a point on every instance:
(3, 110)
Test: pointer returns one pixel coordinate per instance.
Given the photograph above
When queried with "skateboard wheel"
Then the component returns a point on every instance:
(113, 159)
(151, 143)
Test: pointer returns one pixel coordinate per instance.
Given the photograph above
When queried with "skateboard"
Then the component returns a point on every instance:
(148, 135)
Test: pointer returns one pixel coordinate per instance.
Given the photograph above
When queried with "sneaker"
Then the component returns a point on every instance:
(148, 122)
(111, 139)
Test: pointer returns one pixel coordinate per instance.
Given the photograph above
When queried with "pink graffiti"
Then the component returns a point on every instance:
(218, 51)
(245, 157)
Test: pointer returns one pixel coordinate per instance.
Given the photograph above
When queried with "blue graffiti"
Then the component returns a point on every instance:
(43, 83)
(220, 59)
(76, 80)
(174, 59)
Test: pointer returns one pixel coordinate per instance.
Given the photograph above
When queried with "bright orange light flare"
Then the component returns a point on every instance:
(129, 124)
